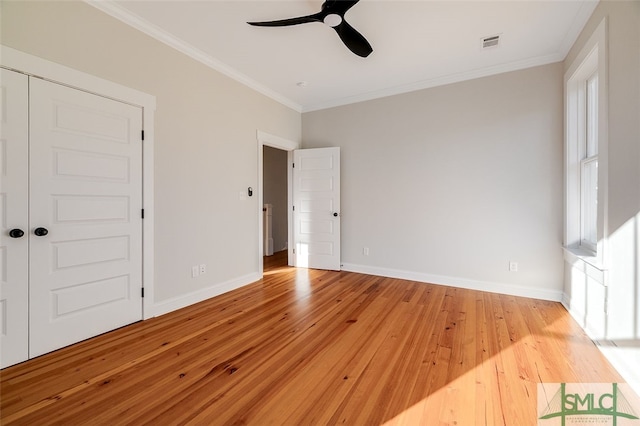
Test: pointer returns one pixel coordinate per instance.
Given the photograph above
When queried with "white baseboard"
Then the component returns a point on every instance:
(183, 301)
(578, 316)
(625, 360)
(492, 287)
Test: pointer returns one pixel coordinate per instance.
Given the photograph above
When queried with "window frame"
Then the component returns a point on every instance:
(591, 61)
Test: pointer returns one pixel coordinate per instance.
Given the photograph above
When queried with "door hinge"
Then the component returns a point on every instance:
(294, 251)
(293, 165)
(294, 208)
(142, 213)
(142, 291)
(142, 134)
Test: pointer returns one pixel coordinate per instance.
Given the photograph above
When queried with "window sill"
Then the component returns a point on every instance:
(587, 256)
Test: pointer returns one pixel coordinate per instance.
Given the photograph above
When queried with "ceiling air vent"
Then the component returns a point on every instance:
(490, 42)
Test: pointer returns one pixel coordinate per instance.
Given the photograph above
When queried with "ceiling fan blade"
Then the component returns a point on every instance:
(332, 14)
(287, 22)
(353, 39)
(339, 7)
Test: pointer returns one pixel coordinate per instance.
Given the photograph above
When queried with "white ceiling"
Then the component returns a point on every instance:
(417, 44)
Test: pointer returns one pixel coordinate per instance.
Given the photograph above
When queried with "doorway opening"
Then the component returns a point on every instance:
(275, 226)
(316, 230)
(279, 147)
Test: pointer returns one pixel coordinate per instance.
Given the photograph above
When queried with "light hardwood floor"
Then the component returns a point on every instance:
(304, 347)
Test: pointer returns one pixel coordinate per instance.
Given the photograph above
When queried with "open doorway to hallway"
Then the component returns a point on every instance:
(275, 263)
(275, 204)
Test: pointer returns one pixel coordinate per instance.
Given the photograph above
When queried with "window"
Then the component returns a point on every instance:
(585, 150)
(589, 169)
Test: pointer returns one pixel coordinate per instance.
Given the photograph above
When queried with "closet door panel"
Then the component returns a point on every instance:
(86, 191)
(14, 213)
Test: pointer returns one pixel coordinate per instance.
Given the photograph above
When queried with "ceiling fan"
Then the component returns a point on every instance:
(331, 14)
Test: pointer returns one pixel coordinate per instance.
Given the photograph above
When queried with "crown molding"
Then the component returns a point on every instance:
(438, 81)
(114, 10)
(581, 18)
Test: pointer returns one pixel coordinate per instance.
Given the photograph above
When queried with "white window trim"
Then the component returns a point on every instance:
(592, 58)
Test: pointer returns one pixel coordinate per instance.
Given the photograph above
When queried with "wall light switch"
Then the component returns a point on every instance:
(195, 271)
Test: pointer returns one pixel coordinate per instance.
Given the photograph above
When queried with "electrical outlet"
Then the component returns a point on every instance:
(365, 251)
(195, 271)
(513, 266)
(203, 269)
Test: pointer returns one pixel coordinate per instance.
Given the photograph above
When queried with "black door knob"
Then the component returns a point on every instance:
(16, 233)
(40, 232)
(335, 214)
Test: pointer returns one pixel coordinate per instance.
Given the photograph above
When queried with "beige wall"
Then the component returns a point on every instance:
(622, 321)
(205, 136)
(452, 183)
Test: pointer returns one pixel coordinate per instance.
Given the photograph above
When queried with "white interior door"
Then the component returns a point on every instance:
(86, 192)
(316, 203)
(14, 212)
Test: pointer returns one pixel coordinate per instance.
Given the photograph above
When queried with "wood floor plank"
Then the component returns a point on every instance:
(314, 347)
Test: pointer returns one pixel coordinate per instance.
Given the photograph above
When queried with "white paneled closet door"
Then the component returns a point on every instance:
(14, 213)
(70, 216)
(85, 219)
